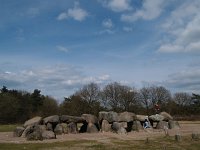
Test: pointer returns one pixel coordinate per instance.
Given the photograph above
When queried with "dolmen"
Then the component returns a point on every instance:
(39, 128)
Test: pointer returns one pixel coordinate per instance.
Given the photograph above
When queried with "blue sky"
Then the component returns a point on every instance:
(58, 46)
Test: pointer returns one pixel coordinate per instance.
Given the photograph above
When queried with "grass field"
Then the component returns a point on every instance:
(163, 143)
(150, 143)
(8, 128)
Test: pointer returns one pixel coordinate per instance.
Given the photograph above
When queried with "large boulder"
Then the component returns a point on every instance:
(156, 118)
(141, 118)
(49, 127)
(91, 128)
(48, 135)
(64, 127)
(58, 129)
(110, 116)
(118, 128)
(69, 119)
(126, 117)
(137, 126)
(162, 125)
(34, 121)
(28, 130)
(173, 124)
(35, 133)
(72, 128)
(166, 116)
(105, 126)
(52, 119)
(90, 118)
(18, 131)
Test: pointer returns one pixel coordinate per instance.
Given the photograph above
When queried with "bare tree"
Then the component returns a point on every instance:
(182, 99)
(111, 95)
(144, 95)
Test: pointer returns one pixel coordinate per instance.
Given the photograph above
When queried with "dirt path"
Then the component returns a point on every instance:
(186, 128)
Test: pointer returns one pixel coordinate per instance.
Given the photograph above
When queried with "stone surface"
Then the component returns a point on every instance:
(173, 124)
(141, 117)
(72, 128)
(35, 133)
(48, 135)
(52, 119)
(69, 119)
(90, 118)
(166, 116)
(18, 131)
(91, 128)
(34, 121)
(58, 129)
(137, 126)
(65, 128)
(105, 126)
(156, 118)
(162, 125)
(110, 116)
(27, 131)
(122, 131)
(49, 126)
(126, 117)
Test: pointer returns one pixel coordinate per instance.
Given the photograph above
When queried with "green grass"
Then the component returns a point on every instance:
(162, 143)
(8, 128)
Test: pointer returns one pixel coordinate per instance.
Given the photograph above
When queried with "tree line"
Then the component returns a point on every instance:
(17, 106)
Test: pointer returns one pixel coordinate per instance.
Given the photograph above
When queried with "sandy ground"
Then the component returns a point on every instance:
(187, 128)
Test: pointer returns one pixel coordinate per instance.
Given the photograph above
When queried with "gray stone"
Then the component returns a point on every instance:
(156, 118)
(72, 128)
(105, 126)
(118, 127)
(162, 125)
(137, 126)
(27, 131)
(141, 117)
(91, 128)
(58, 129)
(65, 128)
(35, 133)
(49, 127)
(110, 116)
(52, 119)
(90, 118)
(34, 121)
(126, 117)
(69, 119)
(166, 116)
(122, 131)
(173, 124)
(18, 131)
(48, 135)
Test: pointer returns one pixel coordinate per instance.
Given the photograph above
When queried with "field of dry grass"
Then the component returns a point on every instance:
(149, 139)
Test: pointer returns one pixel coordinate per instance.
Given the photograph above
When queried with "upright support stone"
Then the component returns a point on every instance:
(195, 136)
(178, 137)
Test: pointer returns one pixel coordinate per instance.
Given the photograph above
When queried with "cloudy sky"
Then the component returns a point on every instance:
(59, 45)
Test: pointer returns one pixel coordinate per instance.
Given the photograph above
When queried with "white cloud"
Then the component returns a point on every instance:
(151, 9)
(76, 13)
(187, 81)
(57, 81)
(107, 23)
(127, 29)
(106, 31)
(182, 28)
(117, 5)
(62, 48)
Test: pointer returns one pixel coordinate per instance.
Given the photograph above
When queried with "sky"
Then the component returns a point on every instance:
(58, 46)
